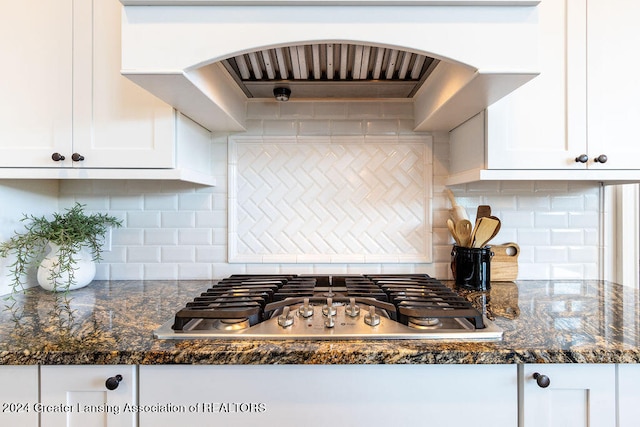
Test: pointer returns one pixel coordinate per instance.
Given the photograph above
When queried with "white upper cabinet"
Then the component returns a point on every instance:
(67, 112)
(613, 91)
(35, 81)
(576, 120)
(532, 128)
(116, 123)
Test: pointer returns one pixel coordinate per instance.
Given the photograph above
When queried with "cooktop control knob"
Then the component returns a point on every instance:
(352, 309)
(371, 318)
(306, 310)
(329, 309)
(285, 319)
(330, 321)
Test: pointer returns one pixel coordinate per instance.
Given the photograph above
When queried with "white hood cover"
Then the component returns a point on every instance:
(173, 48)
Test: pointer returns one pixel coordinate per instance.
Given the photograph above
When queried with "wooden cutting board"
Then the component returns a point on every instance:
(504, 263)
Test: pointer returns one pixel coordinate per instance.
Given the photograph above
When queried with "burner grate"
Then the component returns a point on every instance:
(424, 297)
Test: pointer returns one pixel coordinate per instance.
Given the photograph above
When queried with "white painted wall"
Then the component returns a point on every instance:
(176, 230)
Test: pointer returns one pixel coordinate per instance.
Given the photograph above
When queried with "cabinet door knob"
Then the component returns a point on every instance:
(57, 157)
(582, 158)
(542, 380)
(112, 383)
(77, 157)
(602, 158)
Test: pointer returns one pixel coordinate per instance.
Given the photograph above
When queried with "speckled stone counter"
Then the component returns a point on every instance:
(112, 323)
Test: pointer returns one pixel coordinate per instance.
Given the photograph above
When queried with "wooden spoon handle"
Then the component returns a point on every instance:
(452, 230)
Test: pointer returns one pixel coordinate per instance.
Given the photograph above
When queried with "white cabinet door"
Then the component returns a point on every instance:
(35, 81)
(62, 91)
(337, 395)
(585, 99)
(579, 395)
(117, 124)
(542, 125)
(583, 104)
(77, 396)
(613, 34)
(18, 395)
(628, 395)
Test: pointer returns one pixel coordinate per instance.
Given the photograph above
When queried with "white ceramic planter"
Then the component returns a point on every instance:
(84, 270)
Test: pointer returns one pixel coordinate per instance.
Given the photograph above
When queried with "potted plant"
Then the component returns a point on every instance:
(75, 241)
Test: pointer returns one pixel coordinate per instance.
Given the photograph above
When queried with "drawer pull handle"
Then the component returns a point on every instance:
(602, 158)
(57, 157)
(112, 383)
(542, 380)
(582, 158)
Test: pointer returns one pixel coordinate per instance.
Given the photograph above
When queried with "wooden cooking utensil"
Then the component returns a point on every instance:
(452, 230)
(463, 230)
(496, 230)
(483, 210)
(457, 212)
(486, 229)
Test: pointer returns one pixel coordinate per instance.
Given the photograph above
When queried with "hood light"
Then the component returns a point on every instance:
(282, 93)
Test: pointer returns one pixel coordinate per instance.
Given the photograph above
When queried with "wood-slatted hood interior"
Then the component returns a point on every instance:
(210, 58)
(331, 70)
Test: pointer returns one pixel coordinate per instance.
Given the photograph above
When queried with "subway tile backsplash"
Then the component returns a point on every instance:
(177, 230)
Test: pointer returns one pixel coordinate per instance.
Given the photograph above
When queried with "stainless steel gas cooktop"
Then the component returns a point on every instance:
(399, 306)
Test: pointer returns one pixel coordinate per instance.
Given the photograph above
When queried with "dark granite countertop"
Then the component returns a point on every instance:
(112, 323)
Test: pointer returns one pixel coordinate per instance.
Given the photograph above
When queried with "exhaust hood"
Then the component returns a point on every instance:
(331, 70)
(209, 58)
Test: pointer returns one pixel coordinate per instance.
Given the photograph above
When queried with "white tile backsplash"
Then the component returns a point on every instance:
(176, 230)
(143, 254)
(381, 127)
(138, 219)
(160, 236)
(195, 236)
(295, 110)
(328, 200)
(130, 271)
(160, 202)
(347, 127)
(314, 127)
(567, 237)
(583, 254)
(195, 202)
(180, 219)
(180, 254)
(127, 203)
(365, 110)
(280, 127)
(163, 271)
(330, 110)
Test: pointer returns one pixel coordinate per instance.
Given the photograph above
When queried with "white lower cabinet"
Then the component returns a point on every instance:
(578, 395)
(329, 395)
(78, 396)
(628, 395)
(18, 393)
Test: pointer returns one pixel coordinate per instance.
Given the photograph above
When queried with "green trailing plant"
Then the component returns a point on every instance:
(70, 230)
